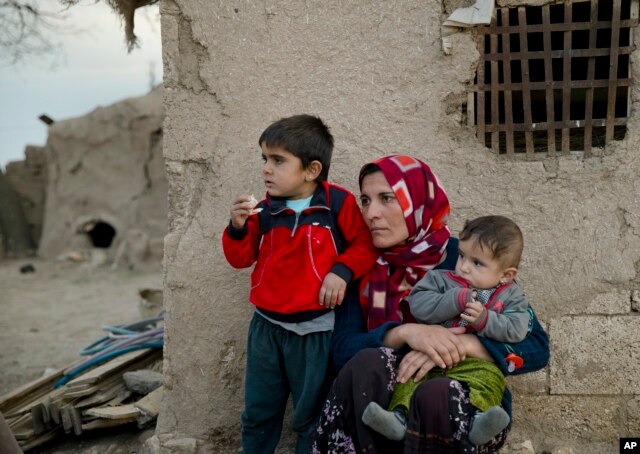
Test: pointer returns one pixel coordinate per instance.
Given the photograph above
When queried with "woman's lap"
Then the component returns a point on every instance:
(438, 420)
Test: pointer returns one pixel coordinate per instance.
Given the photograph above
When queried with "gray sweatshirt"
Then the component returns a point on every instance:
(441, 296)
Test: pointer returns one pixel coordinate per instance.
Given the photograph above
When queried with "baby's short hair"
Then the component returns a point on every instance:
(499, 234)
(305, 136)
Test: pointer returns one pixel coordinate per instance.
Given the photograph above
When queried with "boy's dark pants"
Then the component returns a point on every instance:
(280, 362)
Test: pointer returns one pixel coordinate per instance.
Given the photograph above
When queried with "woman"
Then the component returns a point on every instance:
(406, 210)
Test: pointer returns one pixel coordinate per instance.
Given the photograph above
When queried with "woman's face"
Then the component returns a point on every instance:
(382, 212)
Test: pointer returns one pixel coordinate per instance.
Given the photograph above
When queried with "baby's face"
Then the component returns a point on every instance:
(477, 265)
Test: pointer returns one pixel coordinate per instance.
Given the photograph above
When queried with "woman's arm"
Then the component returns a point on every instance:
(350, 331)
(350, 335)
(442, 345)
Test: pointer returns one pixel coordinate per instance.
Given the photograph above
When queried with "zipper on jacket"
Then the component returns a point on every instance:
(311, 208)
(295, 225)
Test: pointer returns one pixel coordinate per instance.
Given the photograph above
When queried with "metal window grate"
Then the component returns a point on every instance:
(554, 78)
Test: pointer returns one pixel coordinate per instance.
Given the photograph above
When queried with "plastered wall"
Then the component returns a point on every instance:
(375, 72)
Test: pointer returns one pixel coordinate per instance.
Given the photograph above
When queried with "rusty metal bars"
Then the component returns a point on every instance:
(574, 121)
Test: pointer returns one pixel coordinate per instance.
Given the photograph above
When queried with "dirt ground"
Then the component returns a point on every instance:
(48, 316)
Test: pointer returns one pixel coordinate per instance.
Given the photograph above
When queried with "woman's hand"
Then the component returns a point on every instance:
(414, 364)
(442, 345)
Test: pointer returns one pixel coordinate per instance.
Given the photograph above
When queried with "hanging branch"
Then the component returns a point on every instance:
(126, 10)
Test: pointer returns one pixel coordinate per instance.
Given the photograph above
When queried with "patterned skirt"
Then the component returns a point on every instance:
(439, 418)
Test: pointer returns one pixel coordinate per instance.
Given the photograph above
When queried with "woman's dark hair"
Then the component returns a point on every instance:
(367, 169)
(305, 136)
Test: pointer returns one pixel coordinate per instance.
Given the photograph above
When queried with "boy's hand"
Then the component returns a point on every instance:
(332, 290)
(473, 312)
(240, 210)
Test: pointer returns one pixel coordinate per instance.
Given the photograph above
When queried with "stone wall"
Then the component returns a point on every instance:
(15, 240)
(375, 72)
(29, 180)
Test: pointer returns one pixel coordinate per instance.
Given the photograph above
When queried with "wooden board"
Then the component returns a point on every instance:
(118, 412)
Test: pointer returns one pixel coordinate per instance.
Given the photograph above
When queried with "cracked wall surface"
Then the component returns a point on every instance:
(375, 72)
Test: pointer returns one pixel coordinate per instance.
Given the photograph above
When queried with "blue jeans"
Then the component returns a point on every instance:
(279, 363)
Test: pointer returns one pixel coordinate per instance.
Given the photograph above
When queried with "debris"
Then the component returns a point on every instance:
(150, 303)
(142, 381)
(91, 393)
(29, 268)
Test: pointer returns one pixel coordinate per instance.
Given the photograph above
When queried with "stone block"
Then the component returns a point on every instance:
(595, 355)
(635, 301)
(518, 447)
(532, 383)
(611, 303)
(588, 425)
(633, 416)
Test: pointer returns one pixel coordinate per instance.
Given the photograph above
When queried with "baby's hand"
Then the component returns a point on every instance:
(241, 208)
(473, 312)
(332, 290)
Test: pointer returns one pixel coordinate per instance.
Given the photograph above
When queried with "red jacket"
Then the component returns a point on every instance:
(295, 253)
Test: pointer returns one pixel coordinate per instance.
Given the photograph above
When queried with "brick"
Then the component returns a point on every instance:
(595, 355)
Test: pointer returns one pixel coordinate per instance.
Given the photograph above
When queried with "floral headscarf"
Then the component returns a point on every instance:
(426, 211)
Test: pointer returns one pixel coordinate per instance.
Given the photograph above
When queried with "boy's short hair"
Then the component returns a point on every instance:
(499, 234)
(305, 136)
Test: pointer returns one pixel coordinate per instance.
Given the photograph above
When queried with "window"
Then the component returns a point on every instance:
(554, 79)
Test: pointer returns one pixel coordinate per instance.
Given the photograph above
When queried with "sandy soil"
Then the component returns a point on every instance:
(49, 315)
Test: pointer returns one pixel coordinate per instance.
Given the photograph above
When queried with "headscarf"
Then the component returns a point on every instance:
(426, 211)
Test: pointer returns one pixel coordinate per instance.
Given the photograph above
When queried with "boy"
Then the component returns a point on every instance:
(482, 296)
(308, 240)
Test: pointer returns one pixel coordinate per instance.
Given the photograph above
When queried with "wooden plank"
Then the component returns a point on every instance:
(613, 71)
(53, 402)
(471, 109)
(76, 420)
(557, 27)
(104, 423)
(28, 405)
(526, 90)
(114, 377)
(118, 399)
(37, 417)
(508, 98)
(150, 404)
(118, 412)
(65, 419)
(102, 397)
(548, 76)
(566, 80)
(495, 103)
(540, 54)
(34, 442)
(480, 95)
(635, 13)
(21, 426)
(558, 85)
(23, 435)
(591, 71)
(110, 367)
(39, 387)
(599, 122)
